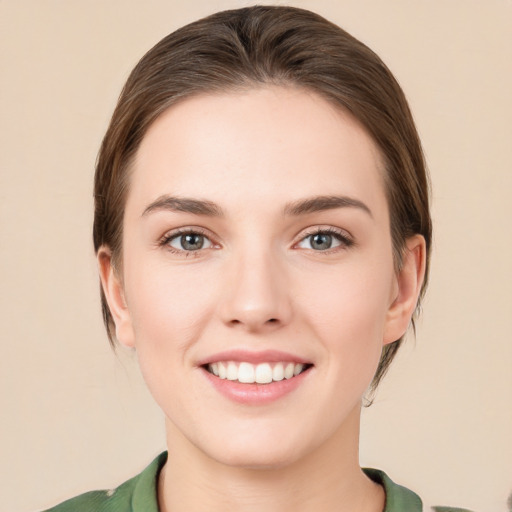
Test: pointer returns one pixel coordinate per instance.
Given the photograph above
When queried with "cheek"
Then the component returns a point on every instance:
(169, 305)
(346, 310)
(350, 300)
(169, 308)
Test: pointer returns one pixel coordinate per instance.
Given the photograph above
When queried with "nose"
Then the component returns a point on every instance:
(256, 298)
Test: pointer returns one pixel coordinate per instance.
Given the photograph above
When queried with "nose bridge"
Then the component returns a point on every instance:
(256, 294)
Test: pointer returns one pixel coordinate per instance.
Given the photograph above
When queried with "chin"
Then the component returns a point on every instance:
(260, 449)
(257, 459)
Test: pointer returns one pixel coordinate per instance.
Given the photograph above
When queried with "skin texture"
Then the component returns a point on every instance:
(258, 284)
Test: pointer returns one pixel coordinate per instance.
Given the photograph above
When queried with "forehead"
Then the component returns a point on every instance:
(272, 144)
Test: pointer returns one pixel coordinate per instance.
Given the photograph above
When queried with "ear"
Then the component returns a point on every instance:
(114, 294)
(407, 289)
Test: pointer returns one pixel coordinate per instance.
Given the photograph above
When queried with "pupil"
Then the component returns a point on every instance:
(192, 241)
(321, 241)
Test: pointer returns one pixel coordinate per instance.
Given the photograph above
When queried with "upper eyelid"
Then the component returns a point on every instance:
(174, 233)
(187, 229)
(313, 230)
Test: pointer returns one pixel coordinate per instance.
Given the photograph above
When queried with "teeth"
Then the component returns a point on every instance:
(278, 372)
(262, 373)
(245, 373)
(232, 372)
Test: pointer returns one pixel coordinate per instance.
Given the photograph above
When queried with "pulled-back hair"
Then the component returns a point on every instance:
(253, 47)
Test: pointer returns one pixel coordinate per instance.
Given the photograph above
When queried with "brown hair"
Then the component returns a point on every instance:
(255, 46)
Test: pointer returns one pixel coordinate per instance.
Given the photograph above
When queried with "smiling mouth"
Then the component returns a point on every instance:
(262, 373)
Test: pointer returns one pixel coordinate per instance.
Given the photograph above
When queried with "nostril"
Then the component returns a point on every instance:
(236, 321)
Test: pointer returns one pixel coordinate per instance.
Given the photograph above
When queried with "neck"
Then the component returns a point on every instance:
(327, 479)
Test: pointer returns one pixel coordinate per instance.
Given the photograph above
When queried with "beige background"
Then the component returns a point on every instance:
(75, 417)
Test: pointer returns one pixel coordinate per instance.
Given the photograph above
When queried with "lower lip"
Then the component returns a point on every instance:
(255, 394)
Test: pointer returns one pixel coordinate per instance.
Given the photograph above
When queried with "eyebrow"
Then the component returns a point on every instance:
(296, 208)
(184, 204)
(322, 203)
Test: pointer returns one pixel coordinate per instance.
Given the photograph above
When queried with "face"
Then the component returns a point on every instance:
(258, 284)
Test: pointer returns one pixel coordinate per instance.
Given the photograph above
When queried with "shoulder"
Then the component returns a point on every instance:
(137, 494)
(449, 509)
(100, 501)
(401, 499)
(398, 498)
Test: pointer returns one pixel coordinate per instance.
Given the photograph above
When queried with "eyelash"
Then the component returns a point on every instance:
(169, 237)
(341, 236)
(345, 240)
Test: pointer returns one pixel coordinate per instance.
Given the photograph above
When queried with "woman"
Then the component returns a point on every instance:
(263, 233)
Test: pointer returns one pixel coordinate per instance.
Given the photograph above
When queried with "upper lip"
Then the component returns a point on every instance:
(263, 356)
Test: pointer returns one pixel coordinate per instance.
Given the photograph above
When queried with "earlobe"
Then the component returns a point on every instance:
(409, 281)
(114, 294)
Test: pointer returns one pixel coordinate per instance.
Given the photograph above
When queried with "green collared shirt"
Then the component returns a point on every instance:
(139, 494)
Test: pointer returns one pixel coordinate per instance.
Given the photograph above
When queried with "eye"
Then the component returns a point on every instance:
(187, 241)
(325, 239)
